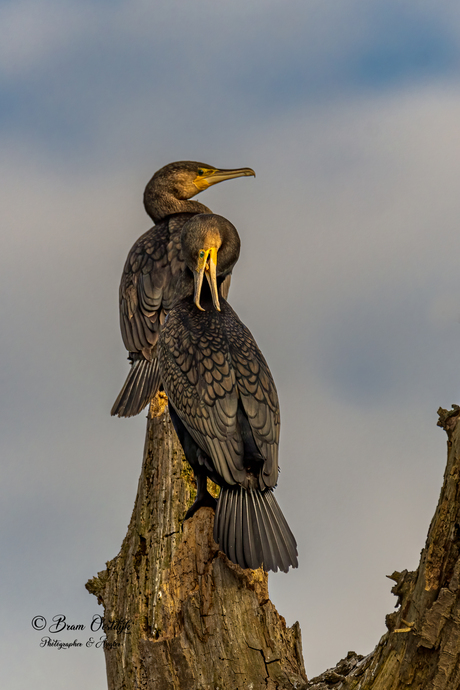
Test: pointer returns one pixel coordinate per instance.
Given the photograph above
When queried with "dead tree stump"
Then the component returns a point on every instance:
(421, 650)
(195, 620)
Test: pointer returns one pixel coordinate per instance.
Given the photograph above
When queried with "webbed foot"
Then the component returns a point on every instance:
(206, 500)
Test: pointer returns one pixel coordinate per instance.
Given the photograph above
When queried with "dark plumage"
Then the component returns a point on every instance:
(223, 402)
(152, 270)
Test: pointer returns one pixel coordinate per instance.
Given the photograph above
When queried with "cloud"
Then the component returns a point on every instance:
(91, 75)
(33, 34)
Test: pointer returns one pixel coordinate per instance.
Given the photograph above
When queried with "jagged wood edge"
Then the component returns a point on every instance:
(422, 646)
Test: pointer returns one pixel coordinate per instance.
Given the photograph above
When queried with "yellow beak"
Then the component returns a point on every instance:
(213, 176)
(207, 265)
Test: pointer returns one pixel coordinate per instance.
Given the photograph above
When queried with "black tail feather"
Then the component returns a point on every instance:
(280, 547)
(239, 551)
(266, 538)
(289, 545)
(231, 544)
(252, 531)
(140, 387)
(249, 538)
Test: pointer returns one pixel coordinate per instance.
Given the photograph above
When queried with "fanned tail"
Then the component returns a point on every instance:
(252, 531)
(140, 387)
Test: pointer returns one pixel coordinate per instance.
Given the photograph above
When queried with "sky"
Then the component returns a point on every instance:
(348, 278)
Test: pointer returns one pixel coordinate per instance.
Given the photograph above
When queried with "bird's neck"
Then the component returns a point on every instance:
(162, 205)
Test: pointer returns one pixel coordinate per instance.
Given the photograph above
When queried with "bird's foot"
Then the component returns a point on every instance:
(206, 500)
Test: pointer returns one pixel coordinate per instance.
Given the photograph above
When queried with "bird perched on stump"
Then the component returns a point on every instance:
(152, 270)
(223, 402)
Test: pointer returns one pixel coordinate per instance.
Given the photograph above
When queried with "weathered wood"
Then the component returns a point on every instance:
(196, 620)
(421, 649)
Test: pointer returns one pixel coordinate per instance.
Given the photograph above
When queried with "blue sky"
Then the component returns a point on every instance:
(348, 278)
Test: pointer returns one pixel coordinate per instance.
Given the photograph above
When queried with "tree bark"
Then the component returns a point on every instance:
(178, 615)
(421, 649)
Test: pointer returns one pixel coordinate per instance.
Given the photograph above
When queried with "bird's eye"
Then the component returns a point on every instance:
(201, 254)
(200, 171)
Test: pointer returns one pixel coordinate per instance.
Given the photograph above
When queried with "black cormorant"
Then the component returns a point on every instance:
(152, 269)
(223, 402)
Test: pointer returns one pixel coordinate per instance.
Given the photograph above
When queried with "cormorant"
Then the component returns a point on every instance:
(223, 402)
(152, 269)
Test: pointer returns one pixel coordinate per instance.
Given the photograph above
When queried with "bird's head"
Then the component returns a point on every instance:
(187, 178)
(182, 180)
(211, 247)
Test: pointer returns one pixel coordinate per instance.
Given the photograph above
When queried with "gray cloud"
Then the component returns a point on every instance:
(76, 73)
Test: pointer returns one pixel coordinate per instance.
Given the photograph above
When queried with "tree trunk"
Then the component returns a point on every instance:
(178, 615)
(199, 622)
(421, 650)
